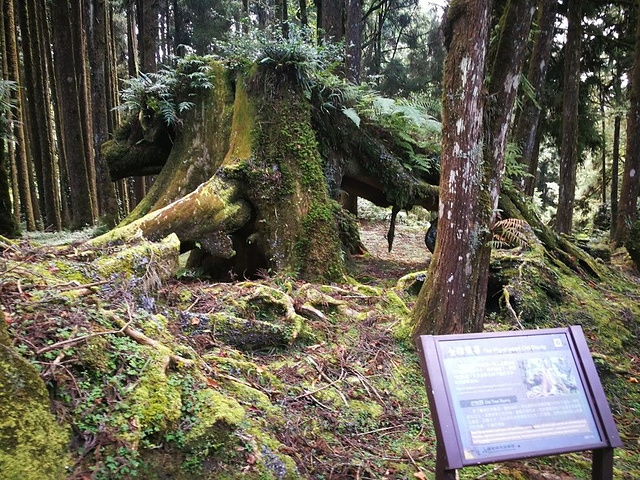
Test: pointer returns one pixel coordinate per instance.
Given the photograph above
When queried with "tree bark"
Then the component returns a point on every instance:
(615, 163)
(147, 11)
(447, 300)
(527, 123)
(132, 41)
(22, 167)
(304, 17)
(569, 150)
(69, 92)
(79, 15)
(39, 119)
(107, 207)
(630, 181)
(353, 40)
(8, 225)
(333, 20)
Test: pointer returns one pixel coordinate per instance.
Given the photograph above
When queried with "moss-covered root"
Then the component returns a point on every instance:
(144, 265)
(33, 446)
(213, 206)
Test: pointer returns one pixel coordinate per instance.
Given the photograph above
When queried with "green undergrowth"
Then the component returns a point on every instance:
(276, 378)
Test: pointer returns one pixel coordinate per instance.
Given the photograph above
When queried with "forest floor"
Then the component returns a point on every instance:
(345, 399)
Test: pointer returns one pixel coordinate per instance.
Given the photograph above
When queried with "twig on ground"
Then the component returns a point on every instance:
(480, 477)
(510, 309)
(77, 286)
(306, 394)
(323, 375)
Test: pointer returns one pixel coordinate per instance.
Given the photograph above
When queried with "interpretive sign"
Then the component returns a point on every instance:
(512, 395)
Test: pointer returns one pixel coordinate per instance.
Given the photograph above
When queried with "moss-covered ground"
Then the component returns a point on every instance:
(281, 379)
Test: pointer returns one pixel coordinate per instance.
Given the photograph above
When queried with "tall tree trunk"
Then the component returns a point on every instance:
(80, 14)
(71, 115)
(455, 300)
(39, 121)
(445, 304)
(333, 20)
(505, 70)
(353, 40)
(304, 16)
(107, 207)
(8, 225)
(319, 25)
(282, 8)
(13, 74)
(527, 123)
(147, 11)
(132, 41)
(47, 66)
(603, 126)
(62, 179)
(615, 162)
(569, 149)
(630, 184)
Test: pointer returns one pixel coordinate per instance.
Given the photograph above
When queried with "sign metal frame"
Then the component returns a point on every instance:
(450, 450)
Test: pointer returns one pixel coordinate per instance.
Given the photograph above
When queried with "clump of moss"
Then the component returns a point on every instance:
(33, 446)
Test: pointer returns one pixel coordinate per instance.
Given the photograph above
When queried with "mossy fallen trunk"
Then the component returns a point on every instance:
(33, 446)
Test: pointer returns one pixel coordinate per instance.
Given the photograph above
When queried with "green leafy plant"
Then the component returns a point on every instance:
(296, 54)
(167, 93)
(514, 169)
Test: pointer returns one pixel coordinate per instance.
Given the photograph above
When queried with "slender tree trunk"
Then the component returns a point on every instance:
(132, 41)
(39, 122)
(353, 40)
(615, 162)
(304, 16)
(569, 149)
(630, 184)
(603, 162)
(333, 20)
(527, 123)
(108, 210)
(47, 65)
(147, 11)
(13, 74)
(61, 184)
(79, 14)
(445, 304)
(319, 25)
(70, 87)
(8, 225)
(282, 13)
(112, 75)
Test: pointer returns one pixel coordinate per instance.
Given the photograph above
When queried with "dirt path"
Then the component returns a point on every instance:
(379, 266)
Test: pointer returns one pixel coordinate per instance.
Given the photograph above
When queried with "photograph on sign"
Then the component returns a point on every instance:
(517, 396)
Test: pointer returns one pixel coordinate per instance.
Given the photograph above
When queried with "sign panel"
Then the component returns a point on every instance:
(501, 396)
